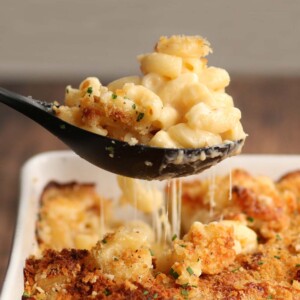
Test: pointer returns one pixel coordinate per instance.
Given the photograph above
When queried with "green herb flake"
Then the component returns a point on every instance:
(278, 237)
(185, 285)
(155, 296)
(104, 241)
(140, 117)
(145, 292)
(250, 219)
(183, 246)
(174, 237)
(89, 90)
(151, 252)
(190, 270)
(107, 292)
(184, 292)
(114, 96)
(235, 270)
(276, 256)
(134, 106)
(270, 297)
(25, 294)
(62, 126)
(297, 265)
(260, 263)
(174, 274)
(116, 259)
(67, 90)
(110, 149)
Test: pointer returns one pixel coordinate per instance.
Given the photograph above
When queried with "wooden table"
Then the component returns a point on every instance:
(271, 112)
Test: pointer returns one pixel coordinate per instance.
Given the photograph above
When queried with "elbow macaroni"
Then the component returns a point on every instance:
(137, 194)
(179, 102)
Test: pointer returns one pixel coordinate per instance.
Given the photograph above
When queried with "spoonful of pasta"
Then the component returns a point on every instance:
(138, 161)
(174, 121)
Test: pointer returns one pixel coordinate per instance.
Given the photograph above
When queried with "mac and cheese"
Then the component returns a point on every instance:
(179, 102)
(247, 248)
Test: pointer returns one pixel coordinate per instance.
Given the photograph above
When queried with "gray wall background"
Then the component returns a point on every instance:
(56, 39)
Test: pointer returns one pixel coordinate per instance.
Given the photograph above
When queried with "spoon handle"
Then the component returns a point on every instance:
(36, 110)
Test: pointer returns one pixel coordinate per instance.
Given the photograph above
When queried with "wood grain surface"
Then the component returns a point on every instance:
(270, 108)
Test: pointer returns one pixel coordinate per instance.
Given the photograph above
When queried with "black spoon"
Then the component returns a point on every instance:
(119, 157)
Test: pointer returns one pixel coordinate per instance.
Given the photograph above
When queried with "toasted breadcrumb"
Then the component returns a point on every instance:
(218, 260)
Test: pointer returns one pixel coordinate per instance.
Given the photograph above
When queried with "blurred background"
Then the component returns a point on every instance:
(45, 45)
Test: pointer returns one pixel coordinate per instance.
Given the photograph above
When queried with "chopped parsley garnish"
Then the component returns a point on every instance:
(185, 285)
(151, 252)
(190, 270)
(89, 90)
(145, 292)
(235, 270)
(110, 149)
(114, 96)
(278, 237)
(62, 126)
(297, 265)
(250, 219)
(183, 246)
(174, 237)
(140, 117)
(276, 256)
(184, 292)
(174, 274)
(107, 292)
(134, 106)
(155, 296)
(116, 259)
(270, 297)
(104, 241)
(260, 263)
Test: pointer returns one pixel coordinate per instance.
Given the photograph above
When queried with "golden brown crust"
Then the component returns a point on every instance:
(271, 271)
(69, 216)
(77, 279)
(290, 182)
(266, 206)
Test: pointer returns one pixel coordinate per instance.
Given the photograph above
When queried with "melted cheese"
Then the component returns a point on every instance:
(165, 210)
(212, 187)
(175, 199)
(230, 185)
(102, 230)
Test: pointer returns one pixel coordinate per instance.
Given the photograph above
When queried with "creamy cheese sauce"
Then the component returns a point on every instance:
(180, 157)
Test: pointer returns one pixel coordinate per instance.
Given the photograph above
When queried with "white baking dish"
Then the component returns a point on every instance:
(64, 166)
